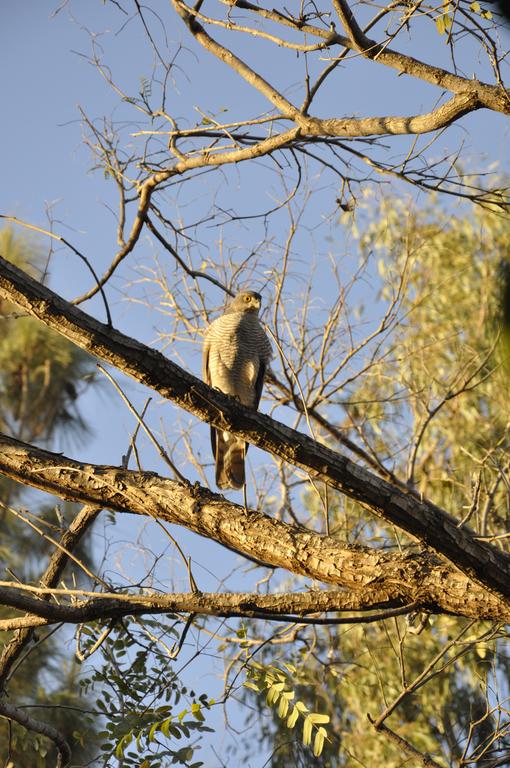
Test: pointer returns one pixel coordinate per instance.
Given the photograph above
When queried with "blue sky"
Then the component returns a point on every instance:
(45, 166)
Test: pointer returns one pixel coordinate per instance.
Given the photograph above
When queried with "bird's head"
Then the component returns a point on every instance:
(245, 301)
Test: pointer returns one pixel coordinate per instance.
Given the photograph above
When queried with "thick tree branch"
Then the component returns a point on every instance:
(422, 519)
(341, 127)
(31, 724)
(284, 606)
(491, 96)
(352, 127)
(389, 579)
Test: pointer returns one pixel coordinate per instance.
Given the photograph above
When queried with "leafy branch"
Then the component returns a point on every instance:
(280, 694)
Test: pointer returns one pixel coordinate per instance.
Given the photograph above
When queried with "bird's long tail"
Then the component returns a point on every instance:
(230, 453)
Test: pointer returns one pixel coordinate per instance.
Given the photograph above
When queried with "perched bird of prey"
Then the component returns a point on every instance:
(236, 355)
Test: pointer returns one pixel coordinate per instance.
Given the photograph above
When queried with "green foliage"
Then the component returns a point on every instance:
(133, 675)
(278, 687)
(444, 19)
(41, 374)
(446, 15)
(431, 403)
(45, 681)
(440, 400)
(359, 670)
(482, 12)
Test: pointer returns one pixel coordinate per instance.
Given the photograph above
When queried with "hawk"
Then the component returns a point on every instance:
(235, 357)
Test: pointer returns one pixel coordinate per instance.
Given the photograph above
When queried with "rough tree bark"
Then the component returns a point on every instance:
(197, 508)
(375, 579)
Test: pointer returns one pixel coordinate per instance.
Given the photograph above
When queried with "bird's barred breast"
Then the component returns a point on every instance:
(237, 346)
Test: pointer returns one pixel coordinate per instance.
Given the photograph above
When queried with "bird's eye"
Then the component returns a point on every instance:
(247, 299)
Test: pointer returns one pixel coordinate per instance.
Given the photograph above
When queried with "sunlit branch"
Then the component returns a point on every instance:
(407, 510)
(303, 607)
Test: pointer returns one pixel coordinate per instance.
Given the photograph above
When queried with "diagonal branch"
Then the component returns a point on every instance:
(380, 578)
(226, 56)
(419, 517)
(50, 578)
(31, 724)
(490, 96)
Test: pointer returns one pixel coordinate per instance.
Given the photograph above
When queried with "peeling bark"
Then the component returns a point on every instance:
(378, 578)
(396, 504)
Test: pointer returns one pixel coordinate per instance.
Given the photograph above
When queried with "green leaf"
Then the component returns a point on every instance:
(318, 743)
(283, 707)
(165, 726)
(317, 718)
(119, 749)
(274, 693)
(196, 711)
(292, 718)
(307, 731)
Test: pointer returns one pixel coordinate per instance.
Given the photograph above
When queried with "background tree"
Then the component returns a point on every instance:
(440, 380)
(40, 381)
(386, 394)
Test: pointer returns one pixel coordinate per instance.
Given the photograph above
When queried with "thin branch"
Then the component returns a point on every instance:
(406, 746)
(33, 227)
(50, 578)
(159, 448)
(205, 159)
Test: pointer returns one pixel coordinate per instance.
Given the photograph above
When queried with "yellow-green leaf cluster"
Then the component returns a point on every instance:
(277, 684)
